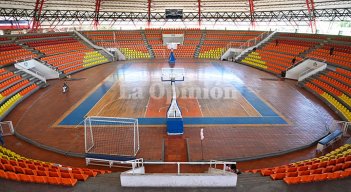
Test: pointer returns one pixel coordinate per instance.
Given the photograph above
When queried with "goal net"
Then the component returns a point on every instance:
(111, 136)
(6, 128)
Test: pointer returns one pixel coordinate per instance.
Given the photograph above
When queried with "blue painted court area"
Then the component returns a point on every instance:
(268, 115)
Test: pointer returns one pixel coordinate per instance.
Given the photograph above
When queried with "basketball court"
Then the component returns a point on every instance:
(209, 95)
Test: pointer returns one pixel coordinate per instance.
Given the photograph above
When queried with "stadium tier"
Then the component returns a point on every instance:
(334, 165)
(15, 87)
(19, 168)
(130, 43)
(333, 87)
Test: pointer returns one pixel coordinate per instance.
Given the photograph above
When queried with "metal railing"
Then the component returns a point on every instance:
(212, 164)
(248, 43)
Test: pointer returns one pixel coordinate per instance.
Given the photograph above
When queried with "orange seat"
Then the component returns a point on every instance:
(3, 174)
(346, 165)
(344, 174)
(327, 170)
(332, 176)
(93, 174)
(307, 178)
(278, 176)
(80, 177)
(291, 174)
(303, 168)
(39, 179)
(292, 180)
(53, 180)
(25, 178)
(320, 177)
(340, 160)
(302, 173)
(313, 166)
(12, 176)
(66, 175)
(41, 173)
(68, 181)
(30, 172)
(317, 171)
(337, 167)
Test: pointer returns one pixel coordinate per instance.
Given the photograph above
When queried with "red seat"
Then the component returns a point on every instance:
(9, 167)
(19, 170)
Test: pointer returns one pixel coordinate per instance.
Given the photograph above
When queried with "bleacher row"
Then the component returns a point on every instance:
(45, 46)
(19, 168)
(285, 50)
(13, 88)
(134, 46)
(334, 165)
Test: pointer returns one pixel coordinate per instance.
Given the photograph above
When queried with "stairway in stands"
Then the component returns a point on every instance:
(198, 47)
(148, 46)
(175, 149)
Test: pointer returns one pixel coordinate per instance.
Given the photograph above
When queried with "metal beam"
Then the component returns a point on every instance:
(48, 17)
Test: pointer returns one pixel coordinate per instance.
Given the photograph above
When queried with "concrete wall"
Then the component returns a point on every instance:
(221, 179)
(305, 69)
(37, 69)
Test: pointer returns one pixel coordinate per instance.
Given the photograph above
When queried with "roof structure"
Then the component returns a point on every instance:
(53, 12)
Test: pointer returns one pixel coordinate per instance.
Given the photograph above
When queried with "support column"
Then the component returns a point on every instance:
(97, 11)
(310, 8)
(36, 16)
(199, 11)
(148, 13)
(252, 12)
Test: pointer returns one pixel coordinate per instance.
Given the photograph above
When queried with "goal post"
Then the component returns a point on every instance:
(112, 136)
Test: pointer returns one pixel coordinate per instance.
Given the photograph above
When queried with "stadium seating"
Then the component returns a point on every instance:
(68, 63)
(215, 42)
(130, 43)
(18, 168)
(334, 165)
(11, 52)
(13, 88)
(186, 50)
(333, 87)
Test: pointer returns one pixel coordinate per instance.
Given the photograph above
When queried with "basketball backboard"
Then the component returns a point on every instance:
(172, 74)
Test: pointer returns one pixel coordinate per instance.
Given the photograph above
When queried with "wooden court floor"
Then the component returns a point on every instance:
(35, 118)
(204, 93)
